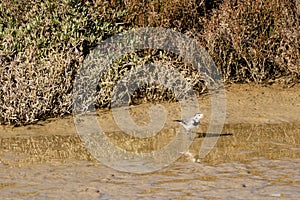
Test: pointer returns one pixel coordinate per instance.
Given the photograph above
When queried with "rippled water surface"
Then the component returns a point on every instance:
(248, 161)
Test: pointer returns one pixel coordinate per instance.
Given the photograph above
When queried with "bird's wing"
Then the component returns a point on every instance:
(187, 121)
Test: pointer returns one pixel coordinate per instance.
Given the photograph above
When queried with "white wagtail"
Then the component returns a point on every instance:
(190, 123)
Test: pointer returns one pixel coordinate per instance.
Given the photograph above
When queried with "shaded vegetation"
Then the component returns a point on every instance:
(42, 45)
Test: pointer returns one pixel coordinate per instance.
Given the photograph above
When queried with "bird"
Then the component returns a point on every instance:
(190, 123)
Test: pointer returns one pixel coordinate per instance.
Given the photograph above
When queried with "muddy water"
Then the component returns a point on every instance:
(257, 161)
(257, 155)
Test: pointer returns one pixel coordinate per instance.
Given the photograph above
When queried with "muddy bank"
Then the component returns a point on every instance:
(249, 104)
(257, 154)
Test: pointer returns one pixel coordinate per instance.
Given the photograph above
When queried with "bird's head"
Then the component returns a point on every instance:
(198, 116)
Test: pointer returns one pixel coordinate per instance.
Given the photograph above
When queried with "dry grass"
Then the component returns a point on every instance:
(255, 41)
(131, 65)
(41, 47)
(43, 44)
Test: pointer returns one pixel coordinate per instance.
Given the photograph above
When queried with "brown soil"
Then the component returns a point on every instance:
(250, 104)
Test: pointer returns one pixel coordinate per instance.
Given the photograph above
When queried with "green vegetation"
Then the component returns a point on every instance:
(42, 45)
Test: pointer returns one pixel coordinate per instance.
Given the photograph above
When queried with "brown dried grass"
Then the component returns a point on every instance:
(43, 44)
(255, 41)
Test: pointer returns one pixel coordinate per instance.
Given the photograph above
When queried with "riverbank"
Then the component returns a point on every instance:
(258, 153)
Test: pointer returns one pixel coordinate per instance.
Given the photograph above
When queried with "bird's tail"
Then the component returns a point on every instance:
(176, 120)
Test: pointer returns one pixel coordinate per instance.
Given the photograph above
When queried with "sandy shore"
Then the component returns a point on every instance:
(250, 104)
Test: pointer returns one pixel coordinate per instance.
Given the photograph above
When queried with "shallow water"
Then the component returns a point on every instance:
(248, 161)
(258, 179)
